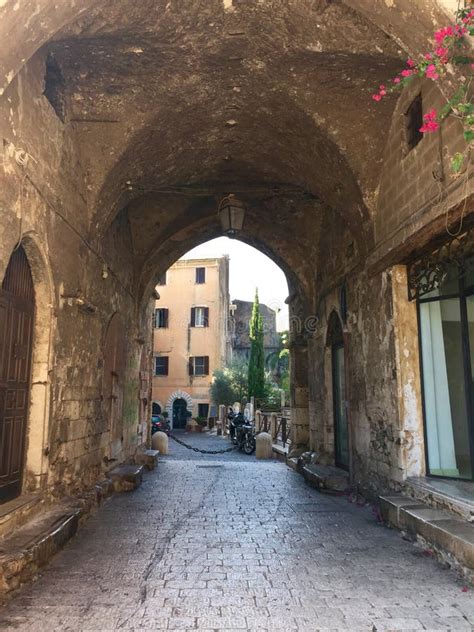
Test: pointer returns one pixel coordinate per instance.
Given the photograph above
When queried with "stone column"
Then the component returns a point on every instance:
(299, 399)
(410, 455)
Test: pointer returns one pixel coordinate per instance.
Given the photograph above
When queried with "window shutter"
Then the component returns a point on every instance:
(206, 317)
(165, 317)
(193, 319)
(191, 367)
(206, 365)
(166, 365)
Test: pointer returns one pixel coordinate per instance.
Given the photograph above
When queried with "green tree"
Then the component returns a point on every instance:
(230, 384)
(256, 370)
(278, 364)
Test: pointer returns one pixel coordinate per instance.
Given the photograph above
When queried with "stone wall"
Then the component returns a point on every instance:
(78, 285)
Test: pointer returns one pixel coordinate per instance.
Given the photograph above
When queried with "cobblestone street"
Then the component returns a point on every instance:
(229, 543)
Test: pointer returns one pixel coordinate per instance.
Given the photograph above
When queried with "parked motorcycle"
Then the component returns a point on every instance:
(160, 424)
(242, 433)
(234, 421)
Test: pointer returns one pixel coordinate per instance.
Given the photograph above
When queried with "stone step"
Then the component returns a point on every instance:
(148, 458)
(15, 513)
(126, 478)
(439, 528)
(280, 451)
(32, 545)
(326, 477)
(455, 496)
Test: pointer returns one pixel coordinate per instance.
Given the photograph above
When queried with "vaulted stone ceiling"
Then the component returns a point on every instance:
(214, 96)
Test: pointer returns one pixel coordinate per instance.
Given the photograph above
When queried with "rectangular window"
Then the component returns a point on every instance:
(162, 278)
(161, 365)
(446, 318)
(199, 317)
(203, 410)
(200, 275)
(414, 120)
(199, 365)
(161, 318)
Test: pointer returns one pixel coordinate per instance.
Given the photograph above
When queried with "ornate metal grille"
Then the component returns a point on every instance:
(428, 272)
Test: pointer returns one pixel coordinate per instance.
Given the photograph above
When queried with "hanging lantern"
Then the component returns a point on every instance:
(231, 213)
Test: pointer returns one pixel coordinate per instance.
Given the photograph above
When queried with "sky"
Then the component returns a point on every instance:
(249, 268)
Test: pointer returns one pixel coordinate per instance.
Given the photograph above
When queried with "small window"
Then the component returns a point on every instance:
(414, 121)
(199, 316)
(161, 365)
(200, 275)
(199, 365)
(203, 410)
(161, 318)
(162, 278)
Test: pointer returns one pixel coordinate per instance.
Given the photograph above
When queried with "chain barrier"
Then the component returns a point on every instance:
(190, 447)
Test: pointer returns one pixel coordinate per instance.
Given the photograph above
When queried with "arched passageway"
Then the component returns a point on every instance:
(125, 127)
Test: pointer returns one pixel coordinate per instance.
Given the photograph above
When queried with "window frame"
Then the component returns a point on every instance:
(200, 272)
(464, 291)
(192, 366)
(165, 312)
(166, 368)
(205, 318)
(163, 279)
(413, 122)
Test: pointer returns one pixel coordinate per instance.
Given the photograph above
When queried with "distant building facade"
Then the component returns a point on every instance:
(240, 313)
(191, 337)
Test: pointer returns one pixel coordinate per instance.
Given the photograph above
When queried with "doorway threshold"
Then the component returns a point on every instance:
(453, 495)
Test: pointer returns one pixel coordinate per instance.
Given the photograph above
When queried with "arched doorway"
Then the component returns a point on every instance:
(180, 413)
(17, 311)
(335, 340)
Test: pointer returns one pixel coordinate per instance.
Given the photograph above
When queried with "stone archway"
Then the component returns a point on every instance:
(178, 395)
(38, 431)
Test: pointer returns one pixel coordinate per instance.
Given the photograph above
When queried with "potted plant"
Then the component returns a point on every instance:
(201, 423)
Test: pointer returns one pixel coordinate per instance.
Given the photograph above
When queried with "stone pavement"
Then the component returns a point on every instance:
(229, 543)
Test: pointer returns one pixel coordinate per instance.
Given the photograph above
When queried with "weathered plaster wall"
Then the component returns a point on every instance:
(42, 204)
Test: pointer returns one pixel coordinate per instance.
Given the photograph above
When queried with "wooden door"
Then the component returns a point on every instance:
(17, 309)
(114, 371)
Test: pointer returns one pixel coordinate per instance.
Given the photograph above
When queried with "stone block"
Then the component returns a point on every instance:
(437, 527)
(443, 531)
(390, 509)
(264, 448)
(159, 441)
(126, 478)
(30, 547)
(326, 478)
(148, 458)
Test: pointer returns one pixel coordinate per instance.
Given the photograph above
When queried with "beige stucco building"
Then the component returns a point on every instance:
(190, 339)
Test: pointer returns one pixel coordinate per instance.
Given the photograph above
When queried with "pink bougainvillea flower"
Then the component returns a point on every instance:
(430, 122)
(406, 73)
(411, 63)
(397, 79)
(431, 72)
(442, 53)
(382, 87)
(376, 97)
(429, 56)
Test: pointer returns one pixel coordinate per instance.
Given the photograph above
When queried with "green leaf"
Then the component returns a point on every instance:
(468, 135)
(456, 162)
(460, 59)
